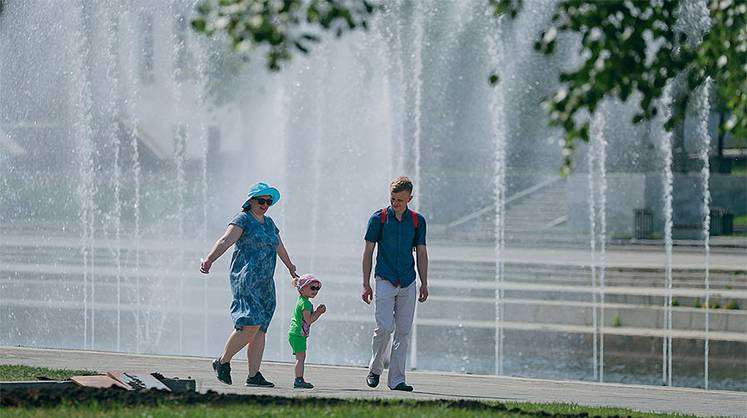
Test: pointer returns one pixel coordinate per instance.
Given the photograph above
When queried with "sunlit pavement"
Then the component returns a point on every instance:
(349, 382)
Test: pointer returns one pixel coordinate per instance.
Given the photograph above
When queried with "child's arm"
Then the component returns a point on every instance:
(312, 317)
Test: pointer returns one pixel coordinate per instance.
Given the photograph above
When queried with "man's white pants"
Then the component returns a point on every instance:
(395, 309)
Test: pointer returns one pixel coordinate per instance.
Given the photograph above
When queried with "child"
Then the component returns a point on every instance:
(303, 316)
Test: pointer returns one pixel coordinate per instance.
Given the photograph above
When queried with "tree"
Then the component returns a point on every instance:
(282, 26)
(641, 46)
(629, 49)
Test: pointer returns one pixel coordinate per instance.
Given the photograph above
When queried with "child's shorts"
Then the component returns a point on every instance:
(298, 343)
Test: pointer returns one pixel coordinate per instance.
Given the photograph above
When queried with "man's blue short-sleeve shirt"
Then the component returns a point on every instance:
(395, 239)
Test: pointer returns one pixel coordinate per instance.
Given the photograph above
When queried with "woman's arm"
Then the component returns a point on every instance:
(285, 258)
(232, 234)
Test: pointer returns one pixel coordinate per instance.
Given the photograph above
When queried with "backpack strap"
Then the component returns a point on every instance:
(415, 225)
(381, 228)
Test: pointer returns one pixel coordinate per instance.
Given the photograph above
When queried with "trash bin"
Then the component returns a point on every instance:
(644, 224)
(727, 223)
(715, 226)
(722, 222)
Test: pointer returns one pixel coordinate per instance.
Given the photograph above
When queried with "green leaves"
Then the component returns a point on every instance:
(637, 46)
(199, 24)
(282, 26)
(506, 7)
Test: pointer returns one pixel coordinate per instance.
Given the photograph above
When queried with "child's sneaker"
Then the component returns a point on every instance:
(299, 383)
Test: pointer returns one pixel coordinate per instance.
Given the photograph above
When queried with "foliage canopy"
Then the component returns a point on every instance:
(629, 48)
(283, 26)
(632, 46)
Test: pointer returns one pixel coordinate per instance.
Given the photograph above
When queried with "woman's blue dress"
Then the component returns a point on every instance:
(252, 271)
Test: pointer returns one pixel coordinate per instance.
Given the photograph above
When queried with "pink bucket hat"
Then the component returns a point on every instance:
(305, 280)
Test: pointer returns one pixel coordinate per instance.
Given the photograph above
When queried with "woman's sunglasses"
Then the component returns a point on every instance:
(262, 201)
(314, 288)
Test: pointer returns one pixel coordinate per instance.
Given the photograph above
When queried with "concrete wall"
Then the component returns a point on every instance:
(629, 191)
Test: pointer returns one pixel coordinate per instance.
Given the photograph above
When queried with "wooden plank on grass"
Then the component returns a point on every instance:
(99, 381)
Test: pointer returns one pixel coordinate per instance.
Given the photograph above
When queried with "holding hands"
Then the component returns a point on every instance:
(292, 270)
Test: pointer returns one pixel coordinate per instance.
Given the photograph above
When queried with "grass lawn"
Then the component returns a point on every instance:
(120, 403)
(357, 409)
(14, 372)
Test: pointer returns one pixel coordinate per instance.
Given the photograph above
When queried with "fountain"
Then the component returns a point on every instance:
(123, 161)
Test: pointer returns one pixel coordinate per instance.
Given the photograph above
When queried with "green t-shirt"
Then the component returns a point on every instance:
(298, 326)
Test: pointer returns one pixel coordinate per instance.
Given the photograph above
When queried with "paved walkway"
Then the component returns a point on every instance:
(348, 382)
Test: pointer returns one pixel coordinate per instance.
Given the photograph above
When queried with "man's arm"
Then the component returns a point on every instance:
(367, 293)
(422, 262)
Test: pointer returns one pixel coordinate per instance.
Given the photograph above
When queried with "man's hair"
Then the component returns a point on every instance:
(400, 184)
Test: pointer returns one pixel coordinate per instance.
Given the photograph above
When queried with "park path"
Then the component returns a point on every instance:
(348, 382)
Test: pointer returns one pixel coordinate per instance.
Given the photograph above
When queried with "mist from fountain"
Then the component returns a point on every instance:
(593, 210)
(702, 105)
(596, 157)
(497, 117)
(601, 158)
(111, 116)
(82, 105)
(418, 26)
(665, 145)
(202, 101)
(133, 129)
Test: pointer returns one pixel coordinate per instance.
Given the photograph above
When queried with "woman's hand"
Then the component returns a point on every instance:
(205, 266)
(292, 270)
(285, 258)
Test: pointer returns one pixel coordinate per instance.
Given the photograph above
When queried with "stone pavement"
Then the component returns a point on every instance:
(348, 382)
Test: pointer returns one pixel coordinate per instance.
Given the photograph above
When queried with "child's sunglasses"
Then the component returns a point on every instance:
(314, 288)
(262, 201)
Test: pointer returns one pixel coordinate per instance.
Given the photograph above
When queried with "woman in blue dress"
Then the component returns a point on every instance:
(258, 245)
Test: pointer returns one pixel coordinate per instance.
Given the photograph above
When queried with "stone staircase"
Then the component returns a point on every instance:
(535, 215)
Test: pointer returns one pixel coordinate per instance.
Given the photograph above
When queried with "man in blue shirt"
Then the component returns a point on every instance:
(397, 231)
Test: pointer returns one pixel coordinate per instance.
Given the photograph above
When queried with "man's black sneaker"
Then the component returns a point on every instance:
(222, 371)
(258, 381)
(372, 380)
(403, 387)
